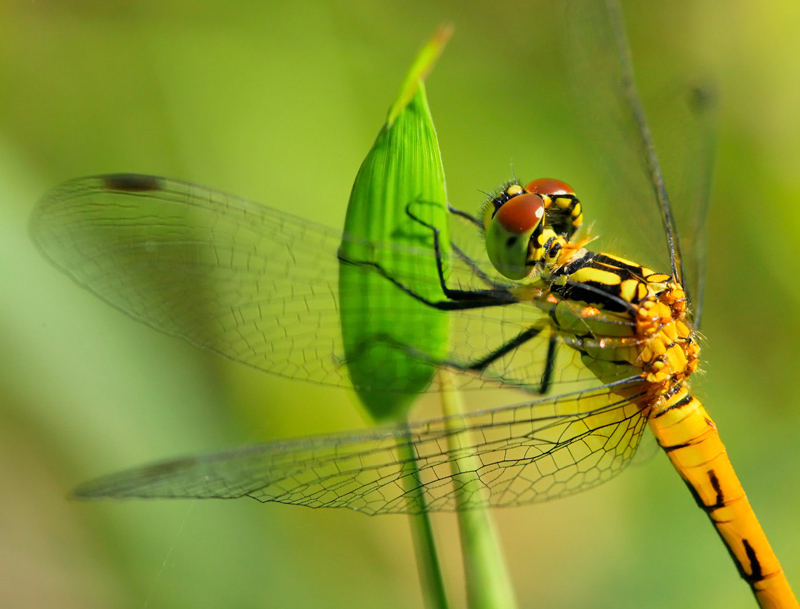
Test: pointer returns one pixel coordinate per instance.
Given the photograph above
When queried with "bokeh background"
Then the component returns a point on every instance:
(279, 102)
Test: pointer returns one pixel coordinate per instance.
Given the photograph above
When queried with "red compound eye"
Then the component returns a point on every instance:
(549, 186)
(520, 214)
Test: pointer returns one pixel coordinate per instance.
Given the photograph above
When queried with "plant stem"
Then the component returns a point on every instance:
(487, 580)
(430, 572)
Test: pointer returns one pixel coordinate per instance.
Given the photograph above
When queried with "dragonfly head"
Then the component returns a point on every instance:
(518, 222)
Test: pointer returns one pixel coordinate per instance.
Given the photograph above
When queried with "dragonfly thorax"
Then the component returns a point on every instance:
(616, 311)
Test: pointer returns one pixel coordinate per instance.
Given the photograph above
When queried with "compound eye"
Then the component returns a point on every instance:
(510, 235)
(549, 186)
(520, 214)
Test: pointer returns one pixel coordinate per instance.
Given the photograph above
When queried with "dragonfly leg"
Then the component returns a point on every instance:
(457, 300)
(512, 345)
(487, 360)
(476, 270)
(550, 364)
(464, 299)
(504, 349)
(462, 214)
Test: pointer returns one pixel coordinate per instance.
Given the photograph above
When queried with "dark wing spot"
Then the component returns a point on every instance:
(132, 182)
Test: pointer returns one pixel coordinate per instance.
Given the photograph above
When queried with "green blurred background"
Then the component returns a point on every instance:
(279, 103)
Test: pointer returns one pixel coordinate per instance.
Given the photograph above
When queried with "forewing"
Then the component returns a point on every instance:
(230, 276)
(657, 183)
(615, 131)
(688, 139)
(254, 284)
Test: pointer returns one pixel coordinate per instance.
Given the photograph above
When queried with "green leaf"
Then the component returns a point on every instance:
(382, 326)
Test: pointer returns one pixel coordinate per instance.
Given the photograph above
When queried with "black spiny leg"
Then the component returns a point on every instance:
(550, 364)
(458, 300)
(462, 255)
(467, 216)
(495, 294)
(516, 342)
(488, 359)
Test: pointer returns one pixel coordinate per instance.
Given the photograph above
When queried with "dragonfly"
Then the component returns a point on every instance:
(602, 346)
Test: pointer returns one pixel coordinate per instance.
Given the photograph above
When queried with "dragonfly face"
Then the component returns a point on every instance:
(519, 223)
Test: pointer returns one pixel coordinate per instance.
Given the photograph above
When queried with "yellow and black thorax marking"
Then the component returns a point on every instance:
(605, 281)
(621, 312)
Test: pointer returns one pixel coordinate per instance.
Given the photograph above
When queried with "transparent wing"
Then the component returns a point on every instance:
(505, 457)
(602, 83)
(260, 286)
(689, 143)
(669, 230)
